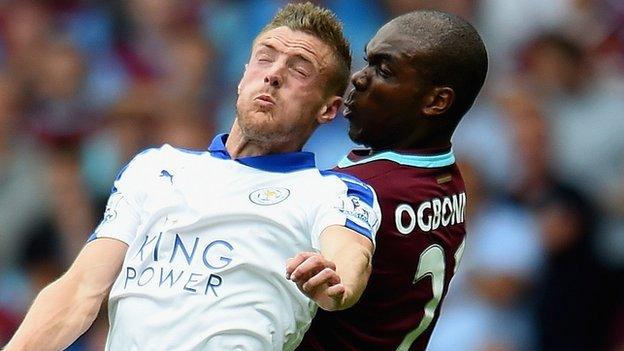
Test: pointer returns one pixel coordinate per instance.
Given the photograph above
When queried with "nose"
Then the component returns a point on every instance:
(274, 78)
(359, 80)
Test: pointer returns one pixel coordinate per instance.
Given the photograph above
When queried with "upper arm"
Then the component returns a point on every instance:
(337, 240)
(354, 207)
(97, 265)
(66, 308)
(123, 209)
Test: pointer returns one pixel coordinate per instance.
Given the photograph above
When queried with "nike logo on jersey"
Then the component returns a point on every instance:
(166, 174)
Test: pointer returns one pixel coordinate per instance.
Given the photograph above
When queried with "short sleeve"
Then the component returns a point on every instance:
(122, 216)
(354, 206)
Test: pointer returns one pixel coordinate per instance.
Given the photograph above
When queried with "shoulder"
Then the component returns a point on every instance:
(352, 185)
(165, 154)
(348, 180)
(408, 162)
(156, 158)
(327, 185)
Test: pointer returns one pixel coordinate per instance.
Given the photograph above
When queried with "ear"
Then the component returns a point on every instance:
(329, 110)
(438, 101)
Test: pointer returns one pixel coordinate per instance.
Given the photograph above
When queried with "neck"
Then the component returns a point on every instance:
(426, 134)
(239, 145)
(416, 145)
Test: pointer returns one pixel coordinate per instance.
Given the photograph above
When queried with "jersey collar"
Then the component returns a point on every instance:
(282, 163)
(437, 160)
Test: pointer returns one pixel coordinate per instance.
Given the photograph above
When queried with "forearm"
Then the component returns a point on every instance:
(353, 265)
(59, 315)
(336, 277)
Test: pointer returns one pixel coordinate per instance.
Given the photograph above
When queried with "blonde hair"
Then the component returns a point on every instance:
(323, 24)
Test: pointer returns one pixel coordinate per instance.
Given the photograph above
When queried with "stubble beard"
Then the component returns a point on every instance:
(261, 130)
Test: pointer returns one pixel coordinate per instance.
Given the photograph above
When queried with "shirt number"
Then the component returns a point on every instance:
(431, 263)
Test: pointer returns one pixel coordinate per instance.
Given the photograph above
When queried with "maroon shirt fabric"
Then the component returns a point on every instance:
(422, 201)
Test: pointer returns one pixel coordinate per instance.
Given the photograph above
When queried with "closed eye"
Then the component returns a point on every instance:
(264, 58)
(380, 67)
(384, 71)
(301, 72)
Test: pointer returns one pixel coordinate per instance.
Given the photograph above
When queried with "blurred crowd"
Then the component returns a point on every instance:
(86, 84)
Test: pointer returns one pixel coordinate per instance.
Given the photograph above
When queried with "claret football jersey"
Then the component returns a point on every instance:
(208, 241)
(419, 244)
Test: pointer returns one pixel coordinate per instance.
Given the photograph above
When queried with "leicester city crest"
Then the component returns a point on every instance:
(269, 196)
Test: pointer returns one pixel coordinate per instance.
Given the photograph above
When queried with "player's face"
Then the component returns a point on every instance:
(283, 92)
(387, 93)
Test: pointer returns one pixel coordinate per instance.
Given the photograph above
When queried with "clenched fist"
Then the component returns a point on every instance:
(316, 277)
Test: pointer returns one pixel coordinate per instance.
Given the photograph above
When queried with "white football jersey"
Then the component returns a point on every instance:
(208, 240)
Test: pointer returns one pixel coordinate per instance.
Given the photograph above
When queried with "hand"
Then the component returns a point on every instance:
(316, 277)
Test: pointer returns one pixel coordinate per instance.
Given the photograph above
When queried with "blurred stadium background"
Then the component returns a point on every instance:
(85, 84)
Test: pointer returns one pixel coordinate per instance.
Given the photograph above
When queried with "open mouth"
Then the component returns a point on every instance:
(349, 104)
(347, 112)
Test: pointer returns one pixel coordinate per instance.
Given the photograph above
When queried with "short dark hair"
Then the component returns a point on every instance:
(454, 54)
(323, 24)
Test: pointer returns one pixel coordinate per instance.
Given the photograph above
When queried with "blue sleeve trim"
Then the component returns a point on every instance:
(355, 187)
(356, 190)
(359, 229)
